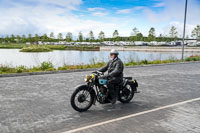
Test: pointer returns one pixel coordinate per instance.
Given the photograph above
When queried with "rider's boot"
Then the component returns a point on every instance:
(114, 97)
(114, 100)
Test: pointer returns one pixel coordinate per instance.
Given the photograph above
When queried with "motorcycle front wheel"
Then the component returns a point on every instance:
(82, 99)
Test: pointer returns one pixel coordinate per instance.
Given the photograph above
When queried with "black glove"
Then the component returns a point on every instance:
(104, 76)
(94, 72)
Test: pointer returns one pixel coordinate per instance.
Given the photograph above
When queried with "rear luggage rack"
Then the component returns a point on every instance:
(129, 78)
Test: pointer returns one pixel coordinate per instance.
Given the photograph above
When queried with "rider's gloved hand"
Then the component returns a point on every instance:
(94, 72)
(105, 76)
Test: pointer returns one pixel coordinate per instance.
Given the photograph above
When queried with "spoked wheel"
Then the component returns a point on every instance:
(82, 99)
(126, 94)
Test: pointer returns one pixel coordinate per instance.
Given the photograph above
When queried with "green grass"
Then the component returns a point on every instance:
(146, 62)
(83, 48)
(47, 48)
(56, 47)
(45, 66)
(70, 67)
(193, 58)
(36, 48)
(48, 66)
(12, 46)
(80, 48)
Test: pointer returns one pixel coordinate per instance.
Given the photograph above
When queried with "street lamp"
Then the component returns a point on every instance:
(184, 29)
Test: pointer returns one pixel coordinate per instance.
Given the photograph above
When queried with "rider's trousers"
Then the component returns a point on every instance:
(111, 84)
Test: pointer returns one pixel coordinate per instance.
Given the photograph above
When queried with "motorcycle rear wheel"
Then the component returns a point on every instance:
(126, 94)
(80, 97)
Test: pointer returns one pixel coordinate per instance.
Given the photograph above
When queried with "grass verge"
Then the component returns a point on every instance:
(48, 66)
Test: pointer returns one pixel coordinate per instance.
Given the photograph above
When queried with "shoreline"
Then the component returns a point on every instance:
(150, 48)
(82, 70)
(106, 48)
(48, 66)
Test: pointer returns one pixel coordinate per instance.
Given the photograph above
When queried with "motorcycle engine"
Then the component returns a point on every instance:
(103, 94)
(103, 90)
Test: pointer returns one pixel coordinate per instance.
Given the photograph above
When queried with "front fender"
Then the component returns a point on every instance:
(87, 86)
(81, 86)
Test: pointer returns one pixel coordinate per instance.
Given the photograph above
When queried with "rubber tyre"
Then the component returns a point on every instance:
(130, 98)
(83, 87)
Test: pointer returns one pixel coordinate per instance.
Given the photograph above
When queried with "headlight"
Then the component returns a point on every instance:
(86, 78)
(89, 78)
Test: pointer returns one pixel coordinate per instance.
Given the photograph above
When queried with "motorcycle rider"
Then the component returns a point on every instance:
(114, 77)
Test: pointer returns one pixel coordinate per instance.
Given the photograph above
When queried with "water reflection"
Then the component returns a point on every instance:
(13, 57)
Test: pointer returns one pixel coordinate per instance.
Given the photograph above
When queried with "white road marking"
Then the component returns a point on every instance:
(129, 116)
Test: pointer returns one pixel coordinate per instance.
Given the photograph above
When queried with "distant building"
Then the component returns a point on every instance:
(28, 43)
(139, 43)
(191, 42)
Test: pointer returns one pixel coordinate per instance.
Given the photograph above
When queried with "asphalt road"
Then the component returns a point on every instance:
(40, 103)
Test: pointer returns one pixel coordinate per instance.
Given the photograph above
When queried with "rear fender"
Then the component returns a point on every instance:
(132, 83)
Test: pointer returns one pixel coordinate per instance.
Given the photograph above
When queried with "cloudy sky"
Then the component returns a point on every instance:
(62, 16)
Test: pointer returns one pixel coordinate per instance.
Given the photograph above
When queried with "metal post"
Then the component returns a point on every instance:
(184, 29)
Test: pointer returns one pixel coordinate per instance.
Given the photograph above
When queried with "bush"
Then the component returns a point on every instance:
(4, 68)
(63, 68)
(156, 62)
(144, 62)
(193, 58)
(132, 63)
(46, 65)
(36, 69)
(21, 69)
(188, 59)
(172, 59)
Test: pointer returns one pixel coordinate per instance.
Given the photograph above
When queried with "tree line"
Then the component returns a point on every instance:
(136, 35)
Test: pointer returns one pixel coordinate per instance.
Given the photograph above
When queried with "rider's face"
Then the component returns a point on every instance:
(112, 56)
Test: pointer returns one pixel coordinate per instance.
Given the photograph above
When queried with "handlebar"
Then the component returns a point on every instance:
(98, 73)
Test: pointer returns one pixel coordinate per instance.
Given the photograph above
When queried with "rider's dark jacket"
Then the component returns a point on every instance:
(115, 69)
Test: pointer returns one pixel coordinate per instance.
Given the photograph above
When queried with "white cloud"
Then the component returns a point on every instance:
(129, 10)
(162, 4)
(98, 11)
(99, 14)
(179, 28)
(69, 4)
(174, 12)
(57, 16)
(124, 11)
(40, 19)
(95, 9)
(138, 7)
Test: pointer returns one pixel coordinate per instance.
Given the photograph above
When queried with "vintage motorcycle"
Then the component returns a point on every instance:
(96, 90)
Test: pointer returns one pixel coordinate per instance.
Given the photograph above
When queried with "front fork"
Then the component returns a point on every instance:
(91, 88)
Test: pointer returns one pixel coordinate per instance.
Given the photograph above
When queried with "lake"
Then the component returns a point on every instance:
(13, 57)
